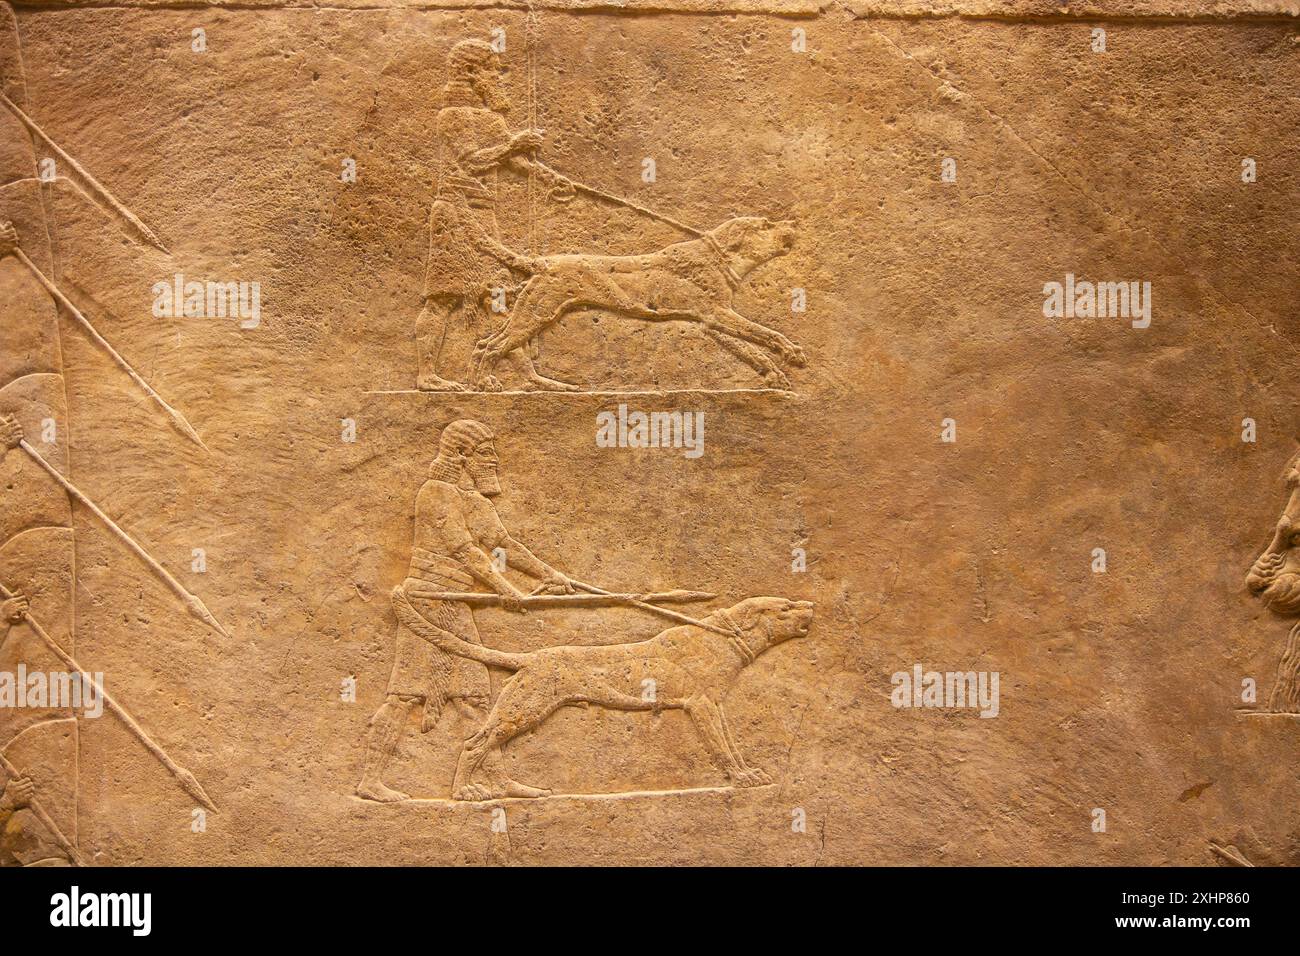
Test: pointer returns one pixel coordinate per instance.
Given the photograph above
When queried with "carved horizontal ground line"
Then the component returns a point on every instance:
(1237, 11)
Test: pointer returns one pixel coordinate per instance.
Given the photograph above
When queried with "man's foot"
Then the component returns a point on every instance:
(516, 789)
(540, 383)
(374, 790)
(436, 383)
(480, 792)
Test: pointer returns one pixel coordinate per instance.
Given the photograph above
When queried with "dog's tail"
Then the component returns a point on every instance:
(449, 642)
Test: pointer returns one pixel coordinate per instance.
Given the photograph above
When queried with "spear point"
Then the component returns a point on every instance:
(200, 610)
(192, 787)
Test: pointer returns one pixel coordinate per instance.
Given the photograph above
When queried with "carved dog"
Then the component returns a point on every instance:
(691, 669)
(692, 281)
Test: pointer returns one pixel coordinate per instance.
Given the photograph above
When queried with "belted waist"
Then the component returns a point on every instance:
(464, 189)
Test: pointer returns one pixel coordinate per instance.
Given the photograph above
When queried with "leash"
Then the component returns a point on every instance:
(733, 279)
(732, 632)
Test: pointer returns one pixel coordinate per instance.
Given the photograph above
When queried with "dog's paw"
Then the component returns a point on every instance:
(794, 355)
(473, 793)
(750, 778)
(775, 378)
(490, 383)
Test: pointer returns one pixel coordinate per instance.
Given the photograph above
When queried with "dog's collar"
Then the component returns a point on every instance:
(737, 638)
(733, 280)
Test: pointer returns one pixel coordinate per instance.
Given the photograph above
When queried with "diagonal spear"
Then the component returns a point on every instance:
(484, 599)
(6, 235)
(44, 817)
(656, 609)
(192, 603)
(186, 779)
(94, 183)
(595, 597)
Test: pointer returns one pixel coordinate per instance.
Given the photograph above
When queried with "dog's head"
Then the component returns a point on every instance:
(768, 621)
(749, 241)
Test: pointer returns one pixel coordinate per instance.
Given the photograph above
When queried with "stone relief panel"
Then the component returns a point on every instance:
(784, 434)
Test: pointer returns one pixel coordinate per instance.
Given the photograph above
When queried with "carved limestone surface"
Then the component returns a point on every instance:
(674, 433)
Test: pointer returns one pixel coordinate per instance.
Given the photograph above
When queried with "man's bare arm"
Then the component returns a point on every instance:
(481, 566)
(553, 581)
(505, 255)
(521, 559)
(548, 176)
(481, 160)
(440, 527)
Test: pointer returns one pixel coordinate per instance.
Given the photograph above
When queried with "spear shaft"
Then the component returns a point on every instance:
(482, 599)
(192, 603)
(186, 779)
(177, 418)
(94, 183)
(656, 609)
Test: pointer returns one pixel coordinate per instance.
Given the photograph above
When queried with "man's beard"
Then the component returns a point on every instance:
(494, 97)
(1283, 595)
(485, 481)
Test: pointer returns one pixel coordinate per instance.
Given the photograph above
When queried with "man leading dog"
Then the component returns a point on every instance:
(467, 259)
(457, 529)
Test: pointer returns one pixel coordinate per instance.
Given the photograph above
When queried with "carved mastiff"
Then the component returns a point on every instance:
(689, 668)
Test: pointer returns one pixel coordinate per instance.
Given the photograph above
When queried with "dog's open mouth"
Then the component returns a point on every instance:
(786, 235)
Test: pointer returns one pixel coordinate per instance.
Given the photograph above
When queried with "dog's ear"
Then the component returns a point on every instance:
(746, 613)
(736, 237)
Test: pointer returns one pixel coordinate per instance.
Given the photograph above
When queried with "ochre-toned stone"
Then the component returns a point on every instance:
(330, 335)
